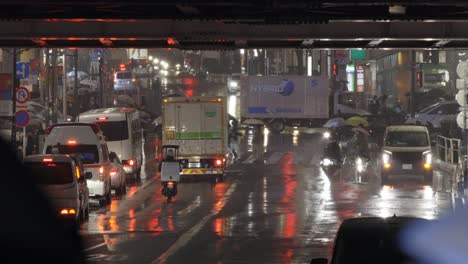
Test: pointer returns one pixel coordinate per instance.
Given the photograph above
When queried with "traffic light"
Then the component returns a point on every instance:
(334, 69)
(419, 79)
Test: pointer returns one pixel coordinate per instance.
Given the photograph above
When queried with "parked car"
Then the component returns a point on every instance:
(369, 240)
(117, 174)
(63, 180)
(433, 115)
(87, 141)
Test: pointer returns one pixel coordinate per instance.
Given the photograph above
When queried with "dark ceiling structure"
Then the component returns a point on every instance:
(207, 24)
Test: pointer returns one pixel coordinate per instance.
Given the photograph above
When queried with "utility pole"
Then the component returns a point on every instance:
(64, 85)
(14, 84)
(413, 82)
(101, 89)
(53, 87)
(47, 87)
(76, 105)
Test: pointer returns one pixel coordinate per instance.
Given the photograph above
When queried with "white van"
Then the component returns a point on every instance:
(123, 134)
(407, 152)
(87, 141)
(123, 80)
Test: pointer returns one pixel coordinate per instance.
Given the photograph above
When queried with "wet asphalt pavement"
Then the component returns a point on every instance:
(284, 211)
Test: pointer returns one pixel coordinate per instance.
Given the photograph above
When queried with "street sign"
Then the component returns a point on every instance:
(22, 95)
(22, 70)
(22, 118)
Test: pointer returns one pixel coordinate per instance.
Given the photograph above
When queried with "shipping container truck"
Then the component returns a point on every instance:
(199, 126)
(282, 101)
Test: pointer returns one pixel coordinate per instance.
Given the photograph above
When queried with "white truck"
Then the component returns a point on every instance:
(285, 100)
(199, 126)
(281, 101)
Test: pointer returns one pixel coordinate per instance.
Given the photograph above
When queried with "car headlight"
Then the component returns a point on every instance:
(326, 135)
(386, 159)
(327, 162)
(427, 157)
(359, 165)
(386, 156)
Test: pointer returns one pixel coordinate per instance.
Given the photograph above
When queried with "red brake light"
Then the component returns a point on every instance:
(101, 170)
(102, 118)
(47, 160)
(218, 162)
(113, 172)
(131, 162)
(71, 142)
(170, 184)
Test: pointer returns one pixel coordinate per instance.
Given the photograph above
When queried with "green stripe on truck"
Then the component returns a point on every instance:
(198, 135)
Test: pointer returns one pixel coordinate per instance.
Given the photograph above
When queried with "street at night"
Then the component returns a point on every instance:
(285, 211)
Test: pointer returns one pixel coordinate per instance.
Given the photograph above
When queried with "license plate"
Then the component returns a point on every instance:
(407, 166)
(194, 165)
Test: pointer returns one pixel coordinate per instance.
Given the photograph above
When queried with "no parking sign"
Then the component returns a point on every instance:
(22, 118)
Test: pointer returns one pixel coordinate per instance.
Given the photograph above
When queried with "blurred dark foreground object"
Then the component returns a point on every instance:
(29, 231)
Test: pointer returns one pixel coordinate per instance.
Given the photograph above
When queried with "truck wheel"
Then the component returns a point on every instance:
(277, 126)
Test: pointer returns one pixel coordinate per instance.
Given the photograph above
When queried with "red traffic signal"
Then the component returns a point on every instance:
(419, 79)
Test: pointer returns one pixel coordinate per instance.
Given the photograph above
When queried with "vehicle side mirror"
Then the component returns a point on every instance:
(319, 261)
(88, 175)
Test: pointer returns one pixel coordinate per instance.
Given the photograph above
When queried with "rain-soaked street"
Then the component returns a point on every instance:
(285, 211)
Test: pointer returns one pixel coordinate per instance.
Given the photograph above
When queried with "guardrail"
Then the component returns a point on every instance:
(448, 149)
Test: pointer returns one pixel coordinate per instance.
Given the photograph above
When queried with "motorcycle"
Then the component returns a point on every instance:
(170, 171)
(360, 165)
(169, 190)
(330, 166)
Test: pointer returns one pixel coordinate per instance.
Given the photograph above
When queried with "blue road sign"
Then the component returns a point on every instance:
(22, 70)
(22, 118)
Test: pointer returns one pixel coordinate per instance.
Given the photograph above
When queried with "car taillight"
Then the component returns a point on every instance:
(67, 211)
(47, 160)
(131, 162)
(101, 170)
(170, 184)
(113, 172)
(219, 162)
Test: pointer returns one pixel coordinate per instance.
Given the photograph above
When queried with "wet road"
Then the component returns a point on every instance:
(285, 211)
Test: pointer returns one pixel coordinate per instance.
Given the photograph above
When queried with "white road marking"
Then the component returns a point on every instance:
(275, 157)
(250, 159)
(187, 236)
(96, 246)
(192, 206)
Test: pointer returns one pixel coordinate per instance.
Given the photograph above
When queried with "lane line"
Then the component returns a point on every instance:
(96, 246)
(192, 232)
(192, 206)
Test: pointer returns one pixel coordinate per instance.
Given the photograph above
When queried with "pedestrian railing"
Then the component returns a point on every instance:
(448, 149)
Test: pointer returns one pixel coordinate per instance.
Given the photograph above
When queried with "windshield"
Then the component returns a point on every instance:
(51, 173)
(88, 153)
(114, 130)
(124, 75)
(406, 139)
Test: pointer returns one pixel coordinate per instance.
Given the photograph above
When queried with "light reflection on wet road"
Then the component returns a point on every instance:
(286, 211)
